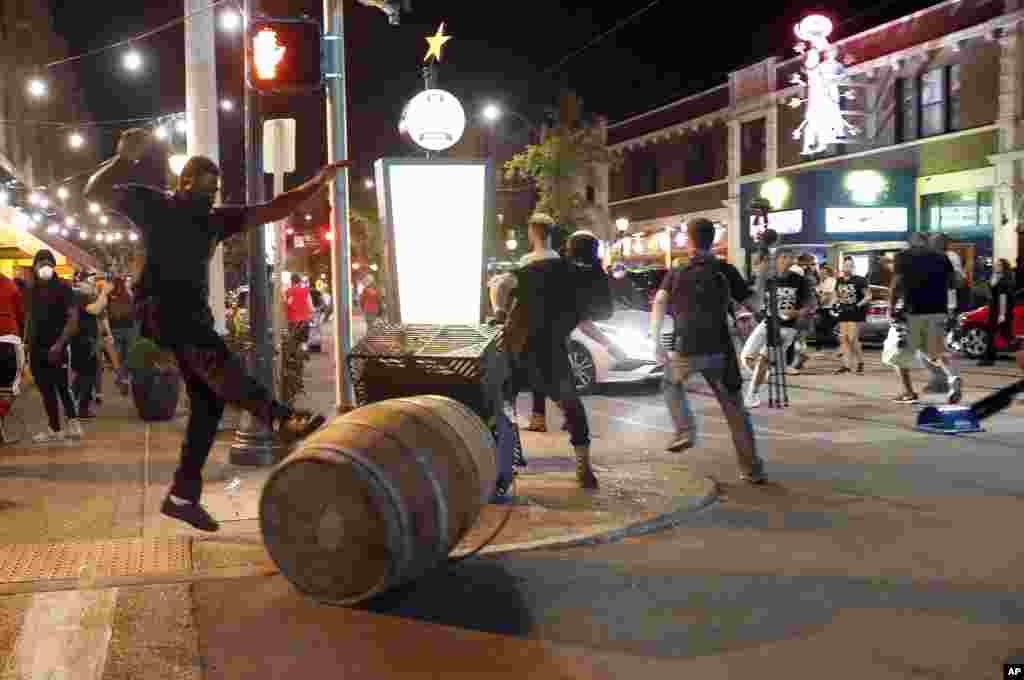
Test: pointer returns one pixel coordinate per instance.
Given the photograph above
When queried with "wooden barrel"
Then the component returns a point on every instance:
(377, 497)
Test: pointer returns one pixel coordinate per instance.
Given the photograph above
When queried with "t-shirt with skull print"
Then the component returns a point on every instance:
(850, 293)
(792, 292)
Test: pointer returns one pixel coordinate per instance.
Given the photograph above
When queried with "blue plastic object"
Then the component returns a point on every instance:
(948, 420)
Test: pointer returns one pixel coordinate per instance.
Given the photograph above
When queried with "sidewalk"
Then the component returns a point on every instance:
(87, 513)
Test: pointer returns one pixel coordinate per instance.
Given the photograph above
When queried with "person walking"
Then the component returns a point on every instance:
(85, 345)
(1000, 310)
(700, 294)
(925, 277)
(12, 333)
(299, 309)
(853, 295)
(825, 321)
(369, 301)
(552, 297)
(52, 325)
(123, 326)
(792, 297)
(180, 232)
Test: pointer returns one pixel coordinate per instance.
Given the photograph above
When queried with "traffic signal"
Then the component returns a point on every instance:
(284, 55)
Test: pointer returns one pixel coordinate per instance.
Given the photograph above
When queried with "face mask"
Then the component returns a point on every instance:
(45, 272)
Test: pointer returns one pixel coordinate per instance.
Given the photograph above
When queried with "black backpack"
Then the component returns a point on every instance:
(701, 307)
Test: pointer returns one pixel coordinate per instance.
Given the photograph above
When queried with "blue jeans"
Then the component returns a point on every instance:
(712, 367)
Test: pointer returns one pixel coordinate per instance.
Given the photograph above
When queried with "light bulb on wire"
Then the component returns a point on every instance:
(132, 236)
(132, 60)
(70, 221)
(63, 193)
(227, 105)
(181, 126)
(104, 219)
(230, 20)
(76, 140)
(37, 87)
(94, 208)
(161, 132)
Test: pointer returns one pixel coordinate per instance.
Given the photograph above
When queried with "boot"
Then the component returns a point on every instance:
(584, 472)
(537, 424)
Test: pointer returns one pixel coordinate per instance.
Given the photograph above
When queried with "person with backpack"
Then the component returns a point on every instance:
(700, 294)
(551, 297)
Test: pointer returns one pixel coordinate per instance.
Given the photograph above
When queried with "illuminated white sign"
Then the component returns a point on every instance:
(824, 123)
(434, 120)
(784, 222)
(436, 224)
(865, 220)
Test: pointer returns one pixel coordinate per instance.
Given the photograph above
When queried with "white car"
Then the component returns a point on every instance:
(592, 365)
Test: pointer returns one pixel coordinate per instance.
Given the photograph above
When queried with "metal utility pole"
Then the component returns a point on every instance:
(337, 144)
(254, 440)
(201, 107)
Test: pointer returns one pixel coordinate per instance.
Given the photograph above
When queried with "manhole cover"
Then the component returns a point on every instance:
(46, 561)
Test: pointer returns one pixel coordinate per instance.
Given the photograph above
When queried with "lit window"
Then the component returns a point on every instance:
(933, 110)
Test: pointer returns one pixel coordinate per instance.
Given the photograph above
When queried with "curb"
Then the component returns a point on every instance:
(668, 520)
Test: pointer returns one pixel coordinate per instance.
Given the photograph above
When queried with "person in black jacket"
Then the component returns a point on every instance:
(555, 295)
(1000, 310)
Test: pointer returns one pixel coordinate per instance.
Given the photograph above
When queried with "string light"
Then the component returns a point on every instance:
(181, 126)
(94, 208)
(70, 221)
(76, 140)
(132, 60)
(44, 202)
(133, 236)
(161, 132)
(104, 219)
(37, 87)
(64, 233)
(83, 234)
(63, 193)
(37, 218)
(230, 20)
(227, 105)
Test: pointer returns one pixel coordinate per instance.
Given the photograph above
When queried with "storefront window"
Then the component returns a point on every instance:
(960, 214)
(932, 100)
(954, 97)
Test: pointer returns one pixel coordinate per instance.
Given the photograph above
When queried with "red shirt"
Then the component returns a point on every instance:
(300, 308)
(370, 301)
(12, 313)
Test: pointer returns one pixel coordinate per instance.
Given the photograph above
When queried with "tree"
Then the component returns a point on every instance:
(557, 163)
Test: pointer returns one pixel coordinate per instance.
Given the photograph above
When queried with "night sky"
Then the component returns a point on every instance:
(499, 51)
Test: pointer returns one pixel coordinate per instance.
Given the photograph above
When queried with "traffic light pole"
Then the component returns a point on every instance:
(337, 144)
(254, 440)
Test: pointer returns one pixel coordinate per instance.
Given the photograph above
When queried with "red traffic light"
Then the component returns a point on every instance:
(284, 55)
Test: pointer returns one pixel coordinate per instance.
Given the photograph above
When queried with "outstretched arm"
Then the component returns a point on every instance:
(285, 204)
(136, 161)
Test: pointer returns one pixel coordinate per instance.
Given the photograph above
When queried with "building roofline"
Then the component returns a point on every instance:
(782, 61)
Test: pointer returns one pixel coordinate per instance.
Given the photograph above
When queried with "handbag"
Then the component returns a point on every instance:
(516, 329)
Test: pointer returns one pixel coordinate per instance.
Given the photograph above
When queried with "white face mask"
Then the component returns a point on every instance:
(45, 272)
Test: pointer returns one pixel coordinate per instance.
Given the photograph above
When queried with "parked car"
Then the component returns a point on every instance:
(876, 325)
(591, 363)
(971, 335)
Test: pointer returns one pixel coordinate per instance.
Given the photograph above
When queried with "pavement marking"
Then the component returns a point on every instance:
(65, 636)
(715, 416)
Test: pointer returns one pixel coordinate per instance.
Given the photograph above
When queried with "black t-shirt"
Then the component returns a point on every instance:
(850, 292)
(547, 290)
(179, 239)
(52, 301)
(791, 293)
(926, 275)
(699, 318)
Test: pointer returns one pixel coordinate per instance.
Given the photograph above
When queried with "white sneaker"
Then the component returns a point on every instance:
(75, 429)
(47, 436)
(753, 401)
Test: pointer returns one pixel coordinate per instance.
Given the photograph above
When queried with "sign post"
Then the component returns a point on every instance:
(278, 158)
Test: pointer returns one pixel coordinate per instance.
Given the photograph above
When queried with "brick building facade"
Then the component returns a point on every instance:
(937, 97)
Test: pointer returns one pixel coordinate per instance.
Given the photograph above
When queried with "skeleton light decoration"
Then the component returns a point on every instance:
(823, 123)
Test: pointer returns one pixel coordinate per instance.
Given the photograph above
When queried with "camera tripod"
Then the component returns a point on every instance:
(778, 395)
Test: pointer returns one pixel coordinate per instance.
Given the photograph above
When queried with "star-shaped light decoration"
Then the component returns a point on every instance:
(436, 42)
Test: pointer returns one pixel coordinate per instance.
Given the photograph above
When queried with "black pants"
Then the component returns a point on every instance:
(85, 364)
(213, 377)
(550, 376)
(540, 404)
(52, 381)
